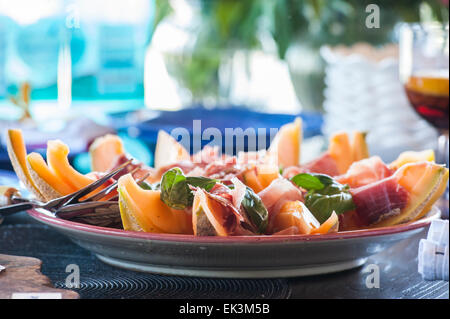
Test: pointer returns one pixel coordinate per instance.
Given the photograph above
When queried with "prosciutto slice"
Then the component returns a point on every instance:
(325, 164)
(377, 201)
(219, 210)
(277, 193)
(365, 172)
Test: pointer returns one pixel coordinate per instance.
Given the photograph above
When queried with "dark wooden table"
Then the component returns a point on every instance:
(20, 235)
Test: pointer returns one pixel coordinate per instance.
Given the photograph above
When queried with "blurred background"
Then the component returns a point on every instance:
(76, 70)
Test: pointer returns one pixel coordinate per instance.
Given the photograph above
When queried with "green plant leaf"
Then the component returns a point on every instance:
(325, 195)
(175, 191)
(256, 211)
(308, 181)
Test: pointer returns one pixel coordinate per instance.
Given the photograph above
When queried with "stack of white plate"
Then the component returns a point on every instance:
(363, 92)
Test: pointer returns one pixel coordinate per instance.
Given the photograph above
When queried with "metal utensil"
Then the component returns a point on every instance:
(68, 203)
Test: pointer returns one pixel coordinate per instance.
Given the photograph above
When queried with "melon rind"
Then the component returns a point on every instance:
(19, 163)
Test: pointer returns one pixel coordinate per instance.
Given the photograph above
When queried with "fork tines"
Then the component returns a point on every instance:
(74, 197)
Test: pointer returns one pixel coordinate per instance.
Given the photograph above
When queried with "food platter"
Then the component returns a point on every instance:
(256, 214)
(234, 256)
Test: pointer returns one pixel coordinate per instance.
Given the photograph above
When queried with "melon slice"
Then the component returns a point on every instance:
(412, 157)
(104, 151)
(58, 162)
(286, 145)
(251, 179)
(17, 154)
(341, 151)
(168, 151)
(49, 184)
(345, 152)
(360, 149)
(425, 183)
(143, 210)
(294, 213)
(211, 218)
(267, 174)
(260, 176)
(331, 225)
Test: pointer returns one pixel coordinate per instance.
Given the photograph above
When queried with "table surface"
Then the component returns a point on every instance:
(21, 235)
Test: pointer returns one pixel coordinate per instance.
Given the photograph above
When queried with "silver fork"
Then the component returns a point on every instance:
(70, 202)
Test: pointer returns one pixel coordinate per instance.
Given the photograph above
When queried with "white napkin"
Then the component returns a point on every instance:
(1, 268)
(434, 252)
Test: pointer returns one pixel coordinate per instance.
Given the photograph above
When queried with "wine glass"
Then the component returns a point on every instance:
(424, 71)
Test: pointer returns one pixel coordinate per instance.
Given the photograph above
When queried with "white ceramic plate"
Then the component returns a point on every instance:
(237, 256)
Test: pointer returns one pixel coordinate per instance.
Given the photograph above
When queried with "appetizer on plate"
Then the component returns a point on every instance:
(253, 193)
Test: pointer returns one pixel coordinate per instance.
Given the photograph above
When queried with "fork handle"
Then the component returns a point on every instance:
(15, 208)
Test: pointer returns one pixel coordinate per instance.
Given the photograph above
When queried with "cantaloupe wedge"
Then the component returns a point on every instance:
(17, 154)
(143, 210)
(412, 157)
(286, 144)
(345, 152)
(267, 174)
(331, 225)
(58, 162)
(294, 213)
(260, 176)
(168, 151)
(206, 216)
(425, 183)
(103, 151)
(251, 179)
(360, 149)
(49, 184)
(341, 151)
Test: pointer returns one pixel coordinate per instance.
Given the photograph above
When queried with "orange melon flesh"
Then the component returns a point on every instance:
(266, 174)
(146, 207)
(294, 213)
(331, 225)
(287, 144)
(252, 180)
(207, 216)
(58, 162)
(425, 183)
(341, 151)
(103, 151)
(47, 179)
(132, 217)
(17, 154)
(360, 150)
(412, 157)
(345, 152)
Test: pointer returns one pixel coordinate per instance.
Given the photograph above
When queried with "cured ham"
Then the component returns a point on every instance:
(325, 164)
(380, 200)
(215, 214)
(277, 194)
(238, 193)
(365, 172)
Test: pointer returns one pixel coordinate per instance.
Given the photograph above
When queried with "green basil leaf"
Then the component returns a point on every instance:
(322, 206)
(175, 191)
(256, 211)
(308, 181)
(202, 182)
(147, 186)
(322, 201)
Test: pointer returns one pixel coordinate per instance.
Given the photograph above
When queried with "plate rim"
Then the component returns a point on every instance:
(184, 238)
